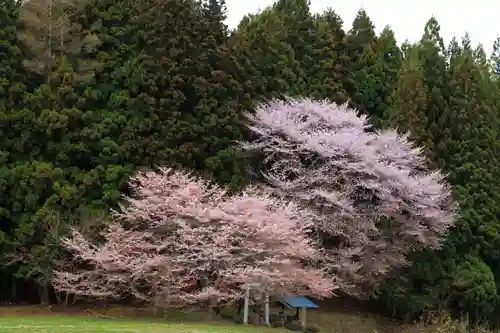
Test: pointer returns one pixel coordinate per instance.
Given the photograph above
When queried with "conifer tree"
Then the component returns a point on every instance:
(454, 50)
(361, 44)
(433, 61)
(481, 59)
(14, 81)
(432, 34)
(389, 60)
(369, 63)
(467, 149)
(47, 180)
(495, 60)
(409, 101)
(261, 46)
(328, 70)
(47, 31)
(470, 155)
(466, 43)
(12, 73)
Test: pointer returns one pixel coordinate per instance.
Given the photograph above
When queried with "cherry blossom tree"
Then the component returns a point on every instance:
(181, 240)
(373, 197)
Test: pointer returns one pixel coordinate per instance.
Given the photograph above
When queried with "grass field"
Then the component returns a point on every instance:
(35, 319)
(129, 320)
(32, 320)
(109, 319)
(68, 324)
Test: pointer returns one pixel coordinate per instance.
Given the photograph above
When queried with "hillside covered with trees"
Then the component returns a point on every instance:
(92, 91)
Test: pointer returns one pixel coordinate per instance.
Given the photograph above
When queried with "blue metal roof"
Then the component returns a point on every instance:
(298, 302)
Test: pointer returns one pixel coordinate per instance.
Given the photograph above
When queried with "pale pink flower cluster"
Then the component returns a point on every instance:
(181, 241)
(373, 196)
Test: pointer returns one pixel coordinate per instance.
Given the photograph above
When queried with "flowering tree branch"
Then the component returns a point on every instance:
(373, 197)
(183, 241)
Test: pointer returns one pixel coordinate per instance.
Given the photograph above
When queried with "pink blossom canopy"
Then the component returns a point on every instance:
(183, 241)
(373, 196)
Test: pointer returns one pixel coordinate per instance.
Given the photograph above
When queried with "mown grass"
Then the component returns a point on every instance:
(109, 319)
(79, 324)
(34, 319)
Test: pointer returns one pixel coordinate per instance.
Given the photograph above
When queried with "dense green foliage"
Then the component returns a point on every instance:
(101, 88)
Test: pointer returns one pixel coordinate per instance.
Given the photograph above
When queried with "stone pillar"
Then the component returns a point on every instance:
(266, 308)
(245, 306)
(303, 317)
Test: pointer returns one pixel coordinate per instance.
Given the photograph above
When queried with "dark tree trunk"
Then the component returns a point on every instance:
(44, 293)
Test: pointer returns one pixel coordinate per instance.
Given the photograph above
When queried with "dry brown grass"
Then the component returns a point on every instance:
(443, 324)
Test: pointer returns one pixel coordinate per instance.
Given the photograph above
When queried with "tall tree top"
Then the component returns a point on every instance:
(214, 11)
(362, 27)
(432, 31)
(11, 51)
(466, 43)
(495, 59)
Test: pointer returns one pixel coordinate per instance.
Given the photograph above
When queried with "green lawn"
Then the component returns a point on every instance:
(53, 319)
(80, 324)
(37, 319)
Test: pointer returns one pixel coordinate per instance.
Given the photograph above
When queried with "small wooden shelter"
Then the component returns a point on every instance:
(301, 304)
